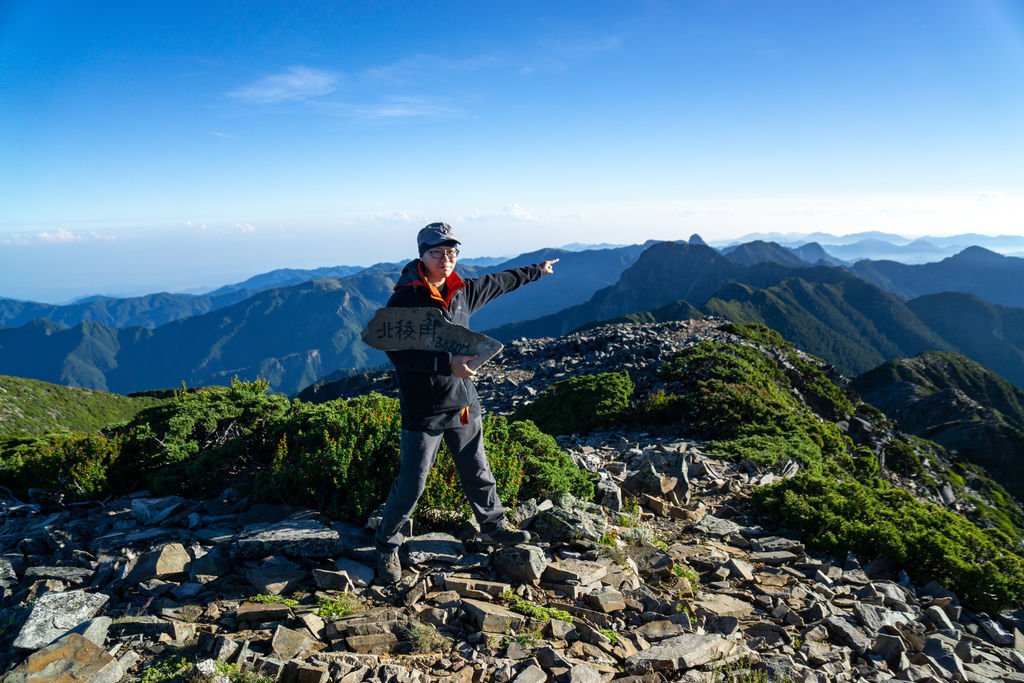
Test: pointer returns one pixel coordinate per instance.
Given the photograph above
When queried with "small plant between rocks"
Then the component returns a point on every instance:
(533, 610)
(338, 606)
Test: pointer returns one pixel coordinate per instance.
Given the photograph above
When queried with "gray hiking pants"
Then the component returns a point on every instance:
(418, 451)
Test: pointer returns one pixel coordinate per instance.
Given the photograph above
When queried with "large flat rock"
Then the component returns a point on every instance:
(54, 614)
(292, 537)
(685, 652)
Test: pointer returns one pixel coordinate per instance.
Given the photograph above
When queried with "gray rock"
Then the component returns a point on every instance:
(434, 547)
(685, 652)
(938, 618)
(873, 617)
(360, 574)
(75, 576)
(606, 600)
(275, 576)
(609, 495)
(8, 577)
(562, 525)
(54, 614)
(531, 674)
(526, 511)
(650, 481)
(153, 627)
(492, 618)
(721, 605)
(581, 572)
(293, 537)
(396, 329)
(994, 631)
(94, 630)
(521, 563)
(212, 565)
(942, 651)
(844, 633)
(331, 580)
(288, 644)
(889, 647)
(741, 569)
(716, 526)
(584, 673)
(653, 564)
(150, 511)
(170, 561)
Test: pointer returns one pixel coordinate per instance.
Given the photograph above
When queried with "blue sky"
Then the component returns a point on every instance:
(165, 146)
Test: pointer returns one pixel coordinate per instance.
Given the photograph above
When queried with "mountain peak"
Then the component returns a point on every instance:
(977, 254)
(697, 239)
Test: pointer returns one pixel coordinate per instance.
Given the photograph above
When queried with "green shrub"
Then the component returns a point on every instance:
(339, 457)
(580, 404)
(342, 456)
(901, 458)
(741, 399)
(74, 464)
(837, 514)
(188, 444)
(547, 470)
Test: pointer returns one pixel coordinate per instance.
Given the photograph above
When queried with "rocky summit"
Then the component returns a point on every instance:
(667, 575)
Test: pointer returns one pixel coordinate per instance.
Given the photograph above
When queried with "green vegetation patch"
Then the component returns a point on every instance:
(339, 457)
(748, 404)
(73, 463)
(837, 513)
(580, 404)
(28, 406)
(338, 606)
(533, 610)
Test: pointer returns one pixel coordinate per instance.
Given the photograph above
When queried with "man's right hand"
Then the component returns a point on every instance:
(460, 366)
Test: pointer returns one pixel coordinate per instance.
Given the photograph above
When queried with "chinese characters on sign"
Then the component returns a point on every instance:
(425, 329)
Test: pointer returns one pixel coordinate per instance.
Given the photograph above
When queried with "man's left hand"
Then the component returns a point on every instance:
(548, 267)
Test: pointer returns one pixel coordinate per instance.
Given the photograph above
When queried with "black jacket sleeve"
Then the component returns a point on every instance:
(486, 288)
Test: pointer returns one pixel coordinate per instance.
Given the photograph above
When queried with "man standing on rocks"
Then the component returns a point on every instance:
(437, 395)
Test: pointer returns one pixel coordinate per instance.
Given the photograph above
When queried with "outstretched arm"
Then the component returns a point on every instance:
(481, 290)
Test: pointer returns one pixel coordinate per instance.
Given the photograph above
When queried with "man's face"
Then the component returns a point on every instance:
(439, 262)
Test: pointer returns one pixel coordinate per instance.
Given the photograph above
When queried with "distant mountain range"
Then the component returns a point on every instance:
(295, 334)
(885, 246)
(826, 310)
(290, 336)
(991, 276)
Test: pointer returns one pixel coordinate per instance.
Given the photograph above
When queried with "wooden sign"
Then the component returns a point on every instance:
(426, 329)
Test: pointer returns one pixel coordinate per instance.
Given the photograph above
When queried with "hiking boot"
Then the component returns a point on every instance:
(504, 536)
(389, 567)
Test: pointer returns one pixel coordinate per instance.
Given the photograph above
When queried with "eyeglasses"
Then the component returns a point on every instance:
(439, 254)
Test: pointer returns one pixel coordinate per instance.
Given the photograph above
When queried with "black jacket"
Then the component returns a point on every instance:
(430, 396)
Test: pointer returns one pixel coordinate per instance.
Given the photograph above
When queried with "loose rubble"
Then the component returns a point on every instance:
(670, 577)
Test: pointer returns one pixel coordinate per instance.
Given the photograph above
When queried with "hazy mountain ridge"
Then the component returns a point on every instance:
(290, 335)
(977, 270)
(827, 310)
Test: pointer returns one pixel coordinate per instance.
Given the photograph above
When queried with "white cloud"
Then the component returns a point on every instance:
(422, 66)
(245, 228)
(295, 84)
(103, 237)
(399, 108)
(518, 212)
(60, 235)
